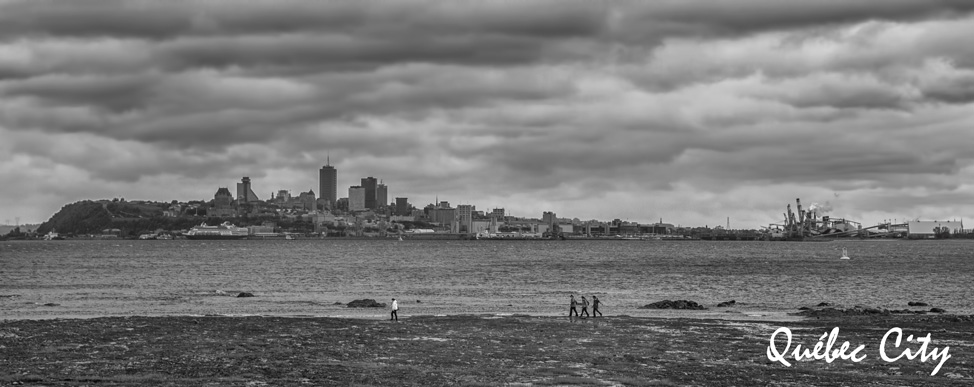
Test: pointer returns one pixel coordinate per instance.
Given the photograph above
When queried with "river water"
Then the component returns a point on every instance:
(768, 280)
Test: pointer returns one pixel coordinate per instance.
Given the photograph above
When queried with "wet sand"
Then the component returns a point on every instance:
(471, 350)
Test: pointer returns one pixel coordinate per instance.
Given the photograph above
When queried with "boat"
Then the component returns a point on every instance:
(53, 236)
(845, 254)
(222, 231)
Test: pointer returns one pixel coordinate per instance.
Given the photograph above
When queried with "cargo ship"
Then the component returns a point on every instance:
(223, 231)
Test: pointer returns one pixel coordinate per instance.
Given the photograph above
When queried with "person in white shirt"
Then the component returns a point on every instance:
(395, 307)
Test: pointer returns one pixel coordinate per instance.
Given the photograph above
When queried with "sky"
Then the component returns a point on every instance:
(696, 112)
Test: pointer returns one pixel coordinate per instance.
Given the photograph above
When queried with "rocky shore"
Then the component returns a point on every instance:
(465, 351)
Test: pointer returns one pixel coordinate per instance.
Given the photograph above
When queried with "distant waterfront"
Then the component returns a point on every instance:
(308, 277)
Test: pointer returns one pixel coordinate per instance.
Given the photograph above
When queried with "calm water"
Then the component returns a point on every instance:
(307, 277)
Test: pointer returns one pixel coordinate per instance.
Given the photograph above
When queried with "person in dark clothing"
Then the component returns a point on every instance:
(571, 310)
(595, 306)
(584, 307)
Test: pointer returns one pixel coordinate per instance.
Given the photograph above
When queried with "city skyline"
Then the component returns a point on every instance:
(688, 111)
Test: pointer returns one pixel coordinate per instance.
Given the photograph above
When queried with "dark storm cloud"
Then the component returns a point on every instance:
(161, 20)
(116, 93)
(564, 100)
(722, 18)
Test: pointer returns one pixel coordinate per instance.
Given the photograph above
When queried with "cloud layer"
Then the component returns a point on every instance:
(693, 111)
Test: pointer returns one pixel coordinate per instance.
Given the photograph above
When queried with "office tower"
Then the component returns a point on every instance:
(402, 207)
(244, 192)
(381, 195)
(369, 184)
(328, 183)
(356, 198)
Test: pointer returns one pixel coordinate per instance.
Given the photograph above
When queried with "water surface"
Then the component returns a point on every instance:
(308, 277)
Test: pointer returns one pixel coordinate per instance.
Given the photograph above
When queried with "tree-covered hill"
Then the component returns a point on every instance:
(84, 217)
(131, 218)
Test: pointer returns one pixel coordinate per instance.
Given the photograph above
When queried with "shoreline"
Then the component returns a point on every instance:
(476, 350)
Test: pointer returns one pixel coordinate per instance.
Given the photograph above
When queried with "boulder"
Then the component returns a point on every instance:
(366, 303)
(245, 294)
(937, 310)
(821, 304)
(678, 304)
(726, 303)
(912, 303)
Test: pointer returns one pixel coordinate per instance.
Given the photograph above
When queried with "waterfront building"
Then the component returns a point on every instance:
(357, 198)
(369, 184)
(464, 217)
(443, 214)
(328, 184)
(245, 194)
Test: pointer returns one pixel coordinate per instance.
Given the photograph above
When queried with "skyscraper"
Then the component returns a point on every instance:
(328, 183)
(369, 183)
(381, 195)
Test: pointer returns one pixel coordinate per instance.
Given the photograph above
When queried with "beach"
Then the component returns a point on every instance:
(469, 350)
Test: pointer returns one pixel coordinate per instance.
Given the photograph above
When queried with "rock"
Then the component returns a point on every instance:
(937, 310)
(911, 303)
(821, 304)
(245, 294)
(804, 308)
(366, 303)
(678, 304)
(726, 303)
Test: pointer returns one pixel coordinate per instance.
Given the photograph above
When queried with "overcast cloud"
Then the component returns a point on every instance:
(691, 111)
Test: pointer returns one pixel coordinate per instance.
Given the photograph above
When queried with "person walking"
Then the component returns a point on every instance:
(572, 309)
(584, 307)
(595, 305)
(395, 308)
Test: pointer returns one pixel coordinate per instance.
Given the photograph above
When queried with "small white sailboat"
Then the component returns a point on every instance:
(845, 254)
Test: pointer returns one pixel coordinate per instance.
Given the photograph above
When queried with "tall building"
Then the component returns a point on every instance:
(244, 192)
(465, 217)
(328, 183)
(381, 195)
(369, 184)
(356, 198)
(402, 207)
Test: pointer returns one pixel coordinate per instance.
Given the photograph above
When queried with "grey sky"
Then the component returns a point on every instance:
(690, 111)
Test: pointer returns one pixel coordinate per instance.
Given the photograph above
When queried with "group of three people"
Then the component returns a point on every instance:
(574, 303)
(394, 315)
